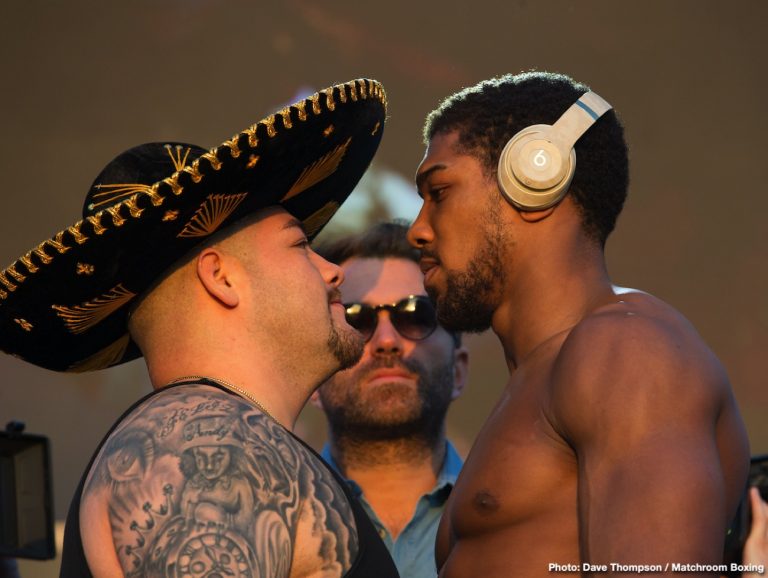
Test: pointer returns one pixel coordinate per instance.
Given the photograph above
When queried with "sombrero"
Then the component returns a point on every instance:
(64, 304)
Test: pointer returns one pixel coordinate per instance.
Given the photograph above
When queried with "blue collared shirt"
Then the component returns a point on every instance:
(414, 549)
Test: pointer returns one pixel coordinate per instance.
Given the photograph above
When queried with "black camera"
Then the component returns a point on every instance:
(26, 503)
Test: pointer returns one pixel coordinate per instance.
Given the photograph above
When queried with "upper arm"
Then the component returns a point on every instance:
(639, 401)
(196, 481)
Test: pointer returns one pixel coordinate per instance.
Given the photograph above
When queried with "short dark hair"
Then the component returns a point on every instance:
(386, 240)
(381, 241)
(488, 114)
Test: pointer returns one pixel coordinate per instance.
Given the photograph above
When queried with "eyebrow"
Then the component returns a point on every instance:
(294, 222)
(424, 175)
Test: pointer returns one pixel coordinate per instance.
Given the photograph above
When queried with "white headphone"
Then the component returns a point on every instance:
(537, 164)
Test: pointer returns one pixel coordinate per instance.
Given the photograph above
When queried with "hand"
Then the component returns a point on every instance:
(756, 546)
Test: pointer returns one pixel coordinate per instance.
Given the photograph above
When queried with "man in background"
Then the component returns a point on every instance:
(386, 415)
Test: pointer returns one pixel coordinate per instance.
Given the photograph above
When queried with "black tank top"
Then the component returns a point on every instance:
(372, 561)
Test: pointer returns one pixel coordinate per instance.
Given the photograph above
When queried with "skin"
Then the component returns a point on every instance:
(617, 422)
(399, 461)
(197, 480)
(756, 546)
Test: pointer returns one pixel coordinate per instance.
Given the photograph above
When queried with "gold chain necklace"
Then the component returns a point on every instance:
(232, 387)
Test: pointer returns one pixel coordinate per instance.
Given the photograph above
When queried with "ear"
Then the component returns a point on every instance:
(213, 272)
(460, 370)
(536, 216)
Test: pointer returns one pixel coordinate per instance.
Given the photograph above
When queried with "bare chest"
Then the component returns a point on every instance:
(519, 468)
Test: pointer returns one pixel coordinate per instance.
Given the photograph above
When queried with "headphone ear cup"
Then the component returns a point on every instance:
(534, 172)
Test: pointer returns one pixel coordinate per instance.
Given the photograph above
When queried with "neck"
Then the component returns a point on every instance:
(393, 474)
(276, 391)
(548, 295)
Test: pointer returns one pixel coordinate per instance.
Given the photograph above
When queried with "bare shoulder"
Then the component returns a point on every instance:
(195, 480)
(638, 353)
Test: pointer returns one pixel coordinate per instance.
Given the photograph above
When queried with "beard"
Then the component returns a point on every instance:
(388, 412)
(471, 296)
(345, 344)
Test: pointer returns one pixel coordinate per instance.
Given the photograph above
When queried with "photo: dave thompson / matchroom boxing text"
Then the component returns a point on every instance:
(682, 568)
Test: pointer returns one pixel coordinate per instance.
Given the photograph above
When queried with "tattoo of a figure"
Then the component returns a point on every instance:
(199, 483)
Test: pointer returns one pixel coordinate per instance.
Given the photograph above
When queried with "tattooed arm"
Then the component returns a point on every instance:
(196, 481)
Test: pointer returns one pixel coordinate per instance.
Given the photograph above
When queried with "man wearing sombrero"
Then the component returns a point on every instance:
(199, 261)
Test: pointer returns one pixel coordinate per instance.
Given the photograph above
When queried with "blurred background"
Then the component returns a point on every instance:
(83, 80)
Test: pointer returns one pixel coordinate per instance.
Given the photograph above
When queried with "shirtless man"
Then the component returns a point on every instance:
(617, 441)
(200, 261)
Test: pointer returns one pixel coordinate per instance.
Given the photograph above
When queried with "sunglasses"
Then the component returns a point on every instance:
(413, 317)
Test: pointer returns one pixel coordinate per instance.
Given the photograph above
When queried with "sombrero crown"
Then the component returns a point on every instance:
(64, 304)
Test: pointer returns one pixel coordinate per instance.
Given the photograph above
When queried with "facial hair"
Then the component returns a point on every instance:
(360, 416)
(346, 344)
(471, 296)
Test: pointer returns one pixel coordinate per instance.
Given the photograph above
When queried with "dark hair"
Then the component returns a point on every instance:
(488, 114)
(382, 241)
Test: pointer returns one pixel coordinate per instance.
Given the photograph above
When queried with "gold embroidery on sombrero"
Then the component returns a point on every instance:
(95, 221)
(315, 100)
(234, 147)
(363, 86)
(194, 171)
(173, 182)
(375, 129)
(40, 253)
(170, 215)
(85, 269)
(252, 160)
(319, 218)
(78, 236)
(11, 270)
(3, 294)
(133, 207)
(27, 262)
(319, 170)
(110, 355)
(178, 160)
(57, 243)
(342, 95)
(269, 123)
(4, 280)
(328, 130)
(24, 324)
(211, 214)
(253, 140)
(329, 102)
(114, 192)
(156, 198)
(301, 107)
(286, 114)
(352, 85)
(117, 218)
(211, 157)
(80, 318)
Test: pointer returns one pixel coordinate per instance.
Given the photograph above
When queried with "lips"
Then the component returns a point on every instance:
(426, 264)
(389, 375)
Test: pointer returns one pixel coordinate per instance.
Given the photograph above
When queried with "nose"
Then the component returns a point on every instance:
(332, 274)
(420, 234)
(385, 339)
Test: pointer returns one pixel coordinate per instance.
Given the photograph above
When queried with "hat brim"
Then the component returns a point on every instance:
(64, 305)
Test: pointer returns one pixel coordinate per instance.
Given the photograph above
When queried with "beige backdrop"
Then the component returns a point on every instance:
(83, 80)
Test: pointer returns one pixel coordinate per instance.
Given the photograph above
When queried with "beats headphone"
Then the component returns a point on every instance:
(537, 164)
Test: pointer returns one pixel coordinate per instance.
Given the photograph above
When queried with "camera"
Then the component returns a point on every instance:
(26, 502)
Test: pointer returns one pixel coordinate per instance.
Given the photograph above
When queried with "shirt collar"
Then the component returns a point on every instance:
(445, 479)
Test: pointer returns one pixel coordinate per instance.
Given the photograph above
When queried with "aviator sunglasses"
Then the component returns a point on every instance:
(413, 317)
